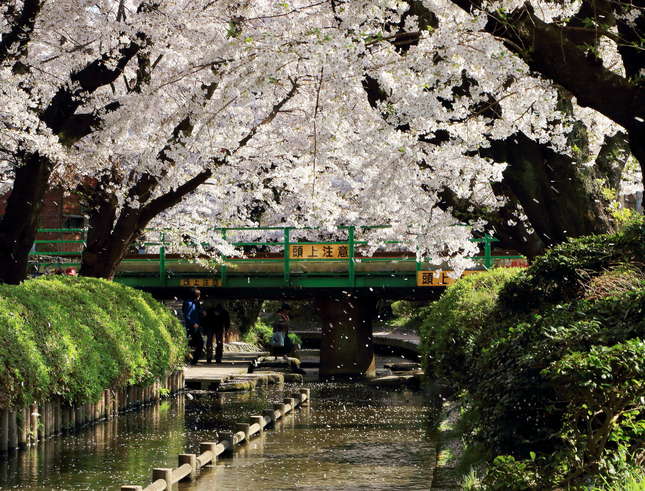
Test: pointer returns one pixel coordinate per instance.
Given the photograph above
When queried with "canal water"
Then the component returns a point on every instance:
(352, 437)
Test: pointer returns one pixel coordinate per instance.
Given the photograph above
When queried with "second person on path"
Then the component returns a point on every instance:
(217, 323)
(192, 311)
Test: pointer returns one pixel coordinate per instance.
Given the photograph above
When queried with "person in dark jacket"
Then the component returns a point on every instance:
(192, 310)
(218, 321)
(281, 324)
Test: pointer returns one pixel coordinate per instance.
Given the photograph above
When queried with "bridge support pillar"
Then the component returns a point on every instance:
(347, 348)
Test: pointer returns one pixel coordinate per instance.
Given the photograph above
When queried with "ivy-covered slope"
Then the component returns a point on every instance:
(553, 371)
(561, 374)
(75, 337)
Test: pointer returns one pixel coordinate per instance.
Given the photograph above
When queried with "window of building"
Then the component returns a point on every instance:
(73, 221)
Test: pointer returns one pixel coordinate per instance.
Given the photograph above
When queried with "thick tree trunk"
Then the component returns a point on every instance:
(611, 160)
(510, 230)
(112, 232)
(101, 263)
(551, 190)
(637, 144)
(98, 259)
(107, 246)
(507, 228)
(18, 226)
(560, 53)
(245, 313)
(20, 221)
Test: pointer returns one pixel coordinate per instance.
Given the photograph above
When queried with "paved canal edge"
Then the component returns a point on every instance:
(189, 465)
(449, 449)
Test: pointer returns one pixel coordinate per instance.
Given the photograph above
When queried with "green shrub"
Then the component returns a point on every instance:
(295, 339)
(512, 385)
(75, 337)
(603, 389)
(629, 479)
(408, 314)
(562, 373)
(563, 273)
(552, 371)
(259, 334)
(507, 473)
(404, 308)
(452, 325)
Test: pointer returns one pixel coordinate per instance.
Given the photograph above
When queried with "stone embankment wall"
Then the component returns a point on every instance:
(30, 425)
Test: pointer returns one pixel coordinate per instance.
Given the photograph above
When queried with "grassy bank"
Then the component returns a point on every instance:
(75, 337)
(548, 365)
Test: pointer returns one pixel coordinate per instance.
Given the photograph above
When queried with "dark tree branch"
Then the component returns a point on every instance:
(110, 244)
(550, 188)
(171, 198)
(547, 186)
(98, 73)
(13, 44)
(147, 182)
(80, 125)
(631, 48)
(550, 50)
(578, 28)
(272, 114)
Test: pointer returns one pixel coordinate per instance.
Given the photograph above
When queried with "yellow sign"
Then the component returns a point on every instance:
(438, 277)
(199, 282)
(319, 251)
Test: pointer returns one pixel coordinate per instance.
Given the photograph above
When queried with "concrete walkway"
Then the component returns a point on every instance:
(233, 364)
(400, 336)
(213, 372)
(233, 373)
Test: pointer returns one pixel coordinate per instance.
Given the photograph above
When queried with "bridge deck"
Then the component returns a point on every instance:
(149, 264)
(298, 265)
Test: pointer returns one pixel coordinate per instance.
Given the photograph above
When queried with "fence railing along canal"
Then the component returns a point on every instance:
(279, 261)
(24, 427)
(189, 465)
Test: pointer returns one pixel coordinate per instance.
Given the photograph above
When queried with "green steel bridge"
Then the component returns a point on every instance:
(343, 282)
(269, 266)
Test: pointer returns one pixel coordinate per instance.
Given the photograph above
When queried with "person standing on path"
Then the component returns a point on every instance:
(281, 323)
(218, 321)
(192, 310)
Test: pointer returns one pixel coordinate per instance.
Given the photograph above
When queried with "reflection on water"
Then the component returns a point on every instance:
(351, 438)
(102, 456)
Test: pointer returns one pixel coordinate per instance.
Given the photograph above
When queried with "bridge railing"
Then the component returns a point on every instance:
(289, 252)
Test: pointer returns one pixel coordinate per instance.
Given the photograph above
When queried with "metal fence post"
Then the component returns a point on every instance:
(488, 260)
(287, 263)
(352, 265)
(162, 260)
(223, 269)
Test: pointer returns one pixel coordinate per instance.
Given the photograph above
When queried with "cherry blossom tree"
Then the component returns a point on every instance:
(313, 113)
(106, 98)
(567, 42)
(547, 141)
(56, 59)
